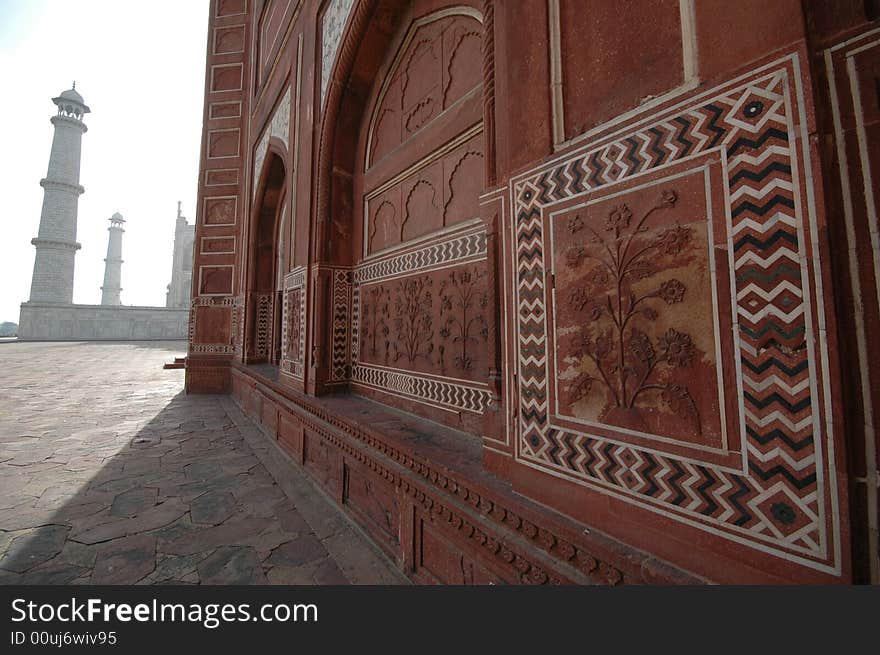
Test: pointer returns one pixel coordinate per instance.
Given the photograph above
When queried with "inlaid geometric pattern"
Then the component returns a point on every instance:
(441, 393)
(341, 304)
(459, 249)
(263, 319)
(294, 287)
(780, 501)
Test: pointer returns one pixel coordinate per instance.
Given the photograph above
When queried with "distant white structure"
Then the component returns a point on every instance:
(113, 262)
(180, 289)
(56, 240)
(50, 314)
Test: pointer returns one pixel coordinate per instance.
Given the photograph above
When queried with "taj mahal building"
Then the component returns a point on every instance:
(553, 291)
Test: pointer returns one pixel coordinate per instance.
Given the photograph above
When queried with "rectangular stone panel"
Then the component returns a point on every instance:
(290, 435)
(320, 460)
(220, 210)
(632, 55)
(434, 322)
(212, 324)
(218, 246)
(273, 20)
(438, 195)
(221, 176)
(373, 501)
(226, 77)
(229, 39)
(446, 563)
(224, 110)
(641, 280)
(223, 143)
(230, 7)
(215, 280)
(269, 416)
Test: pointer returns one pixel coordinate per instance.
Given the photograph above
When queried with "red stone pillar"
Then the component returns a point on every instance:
(216, 317)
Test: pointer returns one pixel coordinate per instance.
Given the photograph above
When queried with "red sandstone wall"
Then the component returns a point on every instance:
(605, 241)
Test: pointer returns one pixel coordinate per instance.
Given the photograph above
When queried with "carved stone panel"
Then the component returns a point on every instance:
(226, 77)
(434, 322)
(434, 69)
(221, 176)
(374, 502)
(744, 261)
(442, 193)
(220, 210)
(636, 309)
(223, 143)
(230, 7)
(215, 280)
(420, 325)
(229, 39)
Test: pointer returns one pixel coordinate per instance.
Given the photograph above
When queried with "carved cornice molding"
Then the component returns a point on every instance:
(78, 189)
(53, 243)
(58, 119)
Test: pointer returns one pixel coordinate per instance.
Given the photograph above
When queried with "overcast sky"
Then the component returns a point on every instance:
(141, 68)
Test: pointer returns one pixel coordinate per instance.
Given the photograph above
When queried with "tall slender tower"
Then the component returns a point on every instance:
(56, 240)
(113, 262)
(181, 267)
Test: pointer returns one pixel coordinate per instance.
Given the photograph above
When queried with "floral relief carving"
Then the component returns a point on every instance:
(413, 323)
(620, 300)
(293, 326)
(463, 324)
(375, 330)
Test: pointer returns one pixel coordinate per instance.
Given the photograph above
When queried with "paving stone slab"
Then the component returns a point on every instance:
(232, 565)
(110, 474)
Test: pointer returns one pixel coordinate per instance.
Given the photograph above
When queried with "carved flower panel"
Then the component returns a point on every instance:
(434, 70)
(636, 303)
(434, 322)
(292, 345)
(442, 193)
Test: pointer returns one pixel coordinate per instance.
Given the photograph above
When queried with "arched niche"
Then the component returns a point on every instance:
(267, 257)
(384, 191)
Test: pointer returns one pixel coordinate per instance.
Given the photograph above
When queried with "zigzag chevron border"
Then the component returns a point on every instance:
(784, 500)
(293, 281)
(446, 395)
(341, 304)
(455, 250)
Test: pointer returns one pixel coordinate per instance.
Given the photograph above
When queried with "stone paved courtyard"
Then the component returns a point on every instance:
(110, 474)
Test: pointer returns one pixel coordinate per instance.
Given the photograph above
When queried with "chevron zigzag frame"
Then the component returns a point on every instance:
(785, 500)
(295, 280)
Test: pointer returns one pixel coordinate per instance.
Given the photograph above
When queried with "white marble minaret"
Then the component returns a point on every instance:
(56, 240)
(113, 262)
